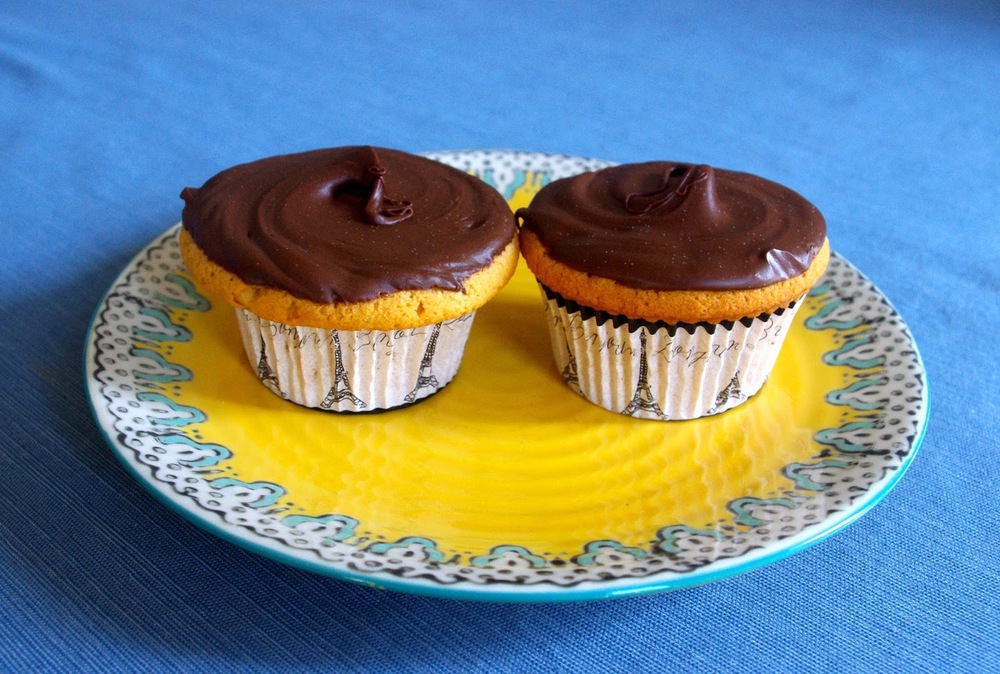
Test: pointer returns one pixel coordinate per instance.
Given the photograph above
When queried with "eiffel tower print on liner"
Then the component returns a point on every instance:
(425, 376)
(266, 374)
(341, 389)
(730, 393)
(569, 373)
(643, 401)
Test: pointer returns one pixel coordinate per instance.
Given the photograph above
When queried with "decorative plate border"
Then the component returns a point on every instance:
(855, 464)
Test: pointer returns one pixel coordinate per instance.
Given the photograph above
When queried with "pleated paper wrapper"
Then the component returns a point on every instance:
(353, 370)
(662, 371)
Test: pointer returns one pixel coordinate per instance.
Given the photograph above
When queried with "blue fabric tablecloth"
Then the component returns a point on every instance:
(886, 114)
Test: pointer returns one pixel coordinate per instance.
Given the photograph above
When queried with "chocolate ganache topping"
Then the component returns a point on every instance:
(670, 226)
(348, 224)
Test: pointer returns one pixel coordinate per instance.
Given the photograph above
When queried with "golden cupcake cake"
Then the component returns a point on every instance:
(669, 287)
(355, 271)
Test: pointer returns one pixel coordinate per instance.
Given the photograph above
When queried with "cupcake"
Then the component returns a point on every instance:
(355, 272)
(669, 288)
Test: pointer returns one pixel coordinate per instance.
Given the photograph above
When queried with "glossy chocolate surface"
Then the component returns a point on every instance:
(348, 224)
(670, 226)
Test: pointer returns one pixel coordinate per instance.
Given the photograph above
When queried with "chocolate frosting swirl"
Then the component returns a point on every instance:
(670, 226)
(348, 224)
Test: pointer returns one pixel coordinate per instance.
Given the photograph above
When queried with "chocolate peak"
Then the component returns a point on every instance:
(678, 183)
(380, 209)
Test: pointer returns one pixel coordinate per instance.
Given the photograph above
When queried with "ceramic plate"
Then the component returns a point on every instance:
(506, 485)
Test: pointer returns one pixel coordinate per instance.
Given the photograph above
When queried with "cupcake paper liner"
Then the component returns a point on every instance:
(353, 370)
(663, 371)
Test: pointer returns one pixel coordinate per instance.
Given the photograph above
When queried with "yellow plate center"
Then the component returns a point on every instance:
(506, 454)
